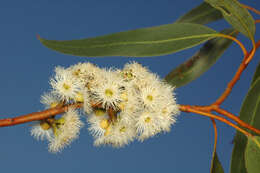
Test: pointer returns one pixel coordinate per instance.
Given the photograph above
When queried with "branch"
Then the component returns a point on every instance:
(225, 113)
(236, 119)
(251, 8)
(216, 133)
(37, 115)
(231, 84)
(190, 109)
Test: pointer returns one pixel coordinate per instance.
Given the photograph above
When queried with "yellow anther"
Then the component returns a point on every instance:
(123, 129)
(76, 72)
(55, 130)
(54, 104)
(150, 98)
(164, 111)
(100, 112)
(109, 93)
(107, 132)
(60, 121)
(147, 120)
(66, 87)
(129, 75)
(45, 125)
(122, 105)
(104, 124)
(79, 97)
(124, 96)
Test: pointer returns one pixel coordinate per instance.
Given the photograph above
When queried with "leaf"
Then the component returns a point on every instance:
(201, 61)
(237, 164)
(257, 74)
(252, 156)
(152, 41)
(236, 15)
(249, 113)
(202, 14)
(215, 164)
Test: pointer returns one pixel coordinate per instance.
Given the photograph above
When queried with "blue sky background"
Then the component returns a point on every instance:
(26, 67)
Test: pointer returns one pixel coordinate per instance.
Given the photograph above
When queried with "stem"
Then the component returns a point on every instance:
(37, 115)
(252, 53)
(251, 8)
(216, 133)
(236, 119)
(215, 142)
(189, 109)
(231, 84)
(111, 114)
(235, 40)
(225, 113)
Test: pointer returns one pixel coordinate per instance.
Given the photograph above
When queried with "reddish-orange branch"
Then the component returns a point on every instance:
(231, 84)
(251, 8)
(225, 113)
(37, 115)
(189, 109)
(257, 21)
(236, 119)
(215, 132)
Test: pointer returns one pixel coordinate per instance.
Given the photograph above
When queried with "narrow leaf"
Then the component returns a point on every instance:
(249, 113)
(252, 156)
(202, 14)
(153, 41)
(215, 164)
(236, 15)
(201, 61)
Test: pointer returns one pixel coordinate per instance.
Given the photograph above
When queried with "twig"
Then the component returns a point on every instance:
(236, 119)
(251, 8)
(231, 84)
(215, 132)
(235, 40)
(225, 113)
(189, 109)
(215, 142)
(37, 115)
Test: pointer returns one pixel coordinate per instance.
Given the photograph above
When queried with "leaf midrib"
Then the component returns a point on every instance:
(139, 42)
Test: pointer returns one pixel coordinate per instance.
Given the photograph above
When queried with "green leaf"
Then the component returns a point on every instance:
(153, 41)
(249, 113)
(237, 164)
(252, 156)
(236, 15)
(201, 61)
(257, 74)
(215, 164)
(202, 14)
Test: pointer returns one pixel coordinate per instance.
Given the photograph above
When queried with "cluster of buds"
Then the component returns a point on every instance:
(119, 105)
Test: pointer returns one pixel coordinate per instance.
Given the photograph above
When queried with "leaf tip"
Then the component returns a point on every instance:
(39, 37)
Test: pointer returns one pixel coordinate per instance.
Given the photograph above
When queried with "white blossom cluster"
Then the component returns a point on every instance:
(120, 105)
